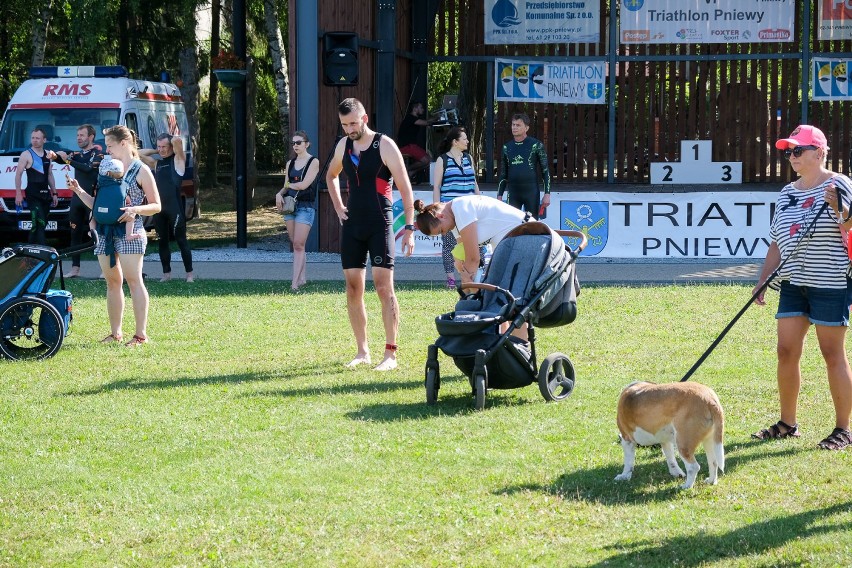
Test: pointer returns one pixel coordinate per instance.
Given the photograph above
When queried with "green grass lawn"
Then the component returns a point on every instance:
(236, 438)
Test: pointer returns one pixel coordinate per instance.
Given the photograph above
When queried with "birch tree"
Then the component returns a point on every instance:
(280, 71)
(212, 118)
(191, 95)
(40, 26)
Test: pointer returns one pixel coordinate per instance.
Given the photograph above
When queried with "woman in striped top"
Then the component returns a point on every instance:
(815, 287)
(454, 177)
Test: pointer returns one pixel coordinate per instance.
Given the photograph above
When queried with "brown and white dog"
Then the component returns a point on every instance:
(672, 414)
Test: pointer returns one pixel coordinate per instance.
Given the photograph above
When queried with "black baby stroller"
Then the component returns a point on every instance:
(532, 280)
(34, 319)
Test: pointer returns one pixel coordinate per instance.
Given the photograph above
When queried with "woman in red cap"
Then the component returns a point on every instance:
(814, 284)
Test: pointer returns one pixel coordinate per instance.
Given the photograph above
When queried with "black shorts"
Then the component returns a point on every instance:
(360, 240)
(525, 197)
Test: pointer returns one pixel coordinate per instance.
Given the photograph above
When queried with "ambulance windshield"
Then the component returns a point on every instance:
(59, 124)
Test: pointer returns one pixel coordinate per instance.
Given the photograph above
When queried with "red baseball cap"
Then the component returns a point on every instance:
(803, 135)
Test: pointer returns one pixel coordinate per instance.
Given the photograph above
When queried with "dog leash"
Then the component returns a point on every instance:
(794, 253)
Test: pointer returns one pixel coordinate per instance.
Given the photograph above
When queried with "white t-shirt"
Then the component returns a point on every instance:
(493, 217)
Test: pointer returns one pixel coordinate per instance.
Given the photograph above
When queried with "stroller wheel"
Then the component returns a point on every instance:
(433, 385)
(556, 377)
(479, 390)
(30, 328)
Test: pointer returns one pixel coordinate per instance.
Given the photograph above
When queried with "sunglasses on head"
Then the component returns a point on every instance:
(798, 151)
(297, 142)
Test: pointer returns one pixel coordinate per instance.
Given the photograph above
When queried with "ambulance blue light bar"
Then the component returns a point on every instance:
(78, 71)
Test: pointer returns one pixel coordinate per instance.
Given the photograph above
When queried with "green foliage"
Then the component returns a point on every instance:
(271, 153)
(14, 45)
(444, 79)
(145, 36)
(80, 41)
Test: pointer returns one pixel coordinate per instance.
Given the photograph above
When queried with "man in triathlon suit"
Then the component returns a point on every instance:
(519, 165)
(372, 163)
(85, 164)
(41, 187)
(170, 222)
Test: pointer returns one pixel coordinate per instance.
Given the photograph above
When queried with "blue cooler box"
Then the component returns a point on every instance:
(62, 300)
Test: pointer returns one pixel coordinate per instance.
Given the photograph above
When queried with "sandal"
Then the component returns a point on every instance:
(136, 341)
(451, 283)
(111, 338)
(837, 440)
(778, 430)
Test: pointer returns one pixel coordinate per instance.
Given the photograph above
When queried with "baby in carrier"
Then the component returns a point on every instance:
(110, 198)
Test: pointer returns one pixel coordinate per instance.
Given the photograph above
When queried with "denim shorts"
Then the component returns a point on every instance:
(822, 306)
(304, 215)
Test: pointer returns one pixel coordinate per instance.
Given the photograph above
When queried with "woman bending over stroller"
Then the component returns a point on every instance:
(474, 220)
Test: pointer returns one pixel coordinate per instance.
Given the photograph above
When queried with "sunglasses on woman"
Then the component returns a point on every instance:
(798, 151)
(297, 142)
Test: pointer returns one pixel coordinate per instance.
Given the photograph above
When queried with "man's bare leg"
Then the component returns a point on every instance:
(355, 282)
(383, 280)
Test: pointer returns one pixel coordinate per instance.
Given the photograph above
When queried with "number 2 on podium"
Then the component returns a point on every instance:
(726, 171)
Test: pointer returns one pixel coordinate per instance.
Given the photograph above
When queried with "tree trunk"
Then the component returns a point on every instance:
(40, 25)
(191, 97)
(211, 160)
(472, 95)
(472, 102)
(279, 65)
(124, 34)
(251, 130)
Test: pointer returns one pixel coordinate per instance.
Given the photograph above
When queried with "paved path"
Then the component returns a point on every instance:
(591, 271)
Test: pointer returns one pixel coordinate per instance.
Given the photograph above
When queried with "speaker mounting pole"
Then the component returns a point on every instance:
(307, 86)
(385, 66)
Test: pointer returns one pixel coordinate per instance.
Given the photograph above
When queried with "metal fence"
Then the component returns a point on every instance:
(741, 96)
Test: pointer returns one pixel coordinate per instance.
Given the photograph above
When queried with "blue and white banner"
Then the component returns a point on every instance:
(830, 79)
(696, 225)
(566, 82)
(667, 225)
(542, 21)
(706, 21)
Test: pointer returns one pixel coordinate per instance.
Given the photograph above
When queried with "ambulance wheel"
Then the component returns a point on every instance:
(556, 377)
(30, 328)
(479, 390)
(433, 385)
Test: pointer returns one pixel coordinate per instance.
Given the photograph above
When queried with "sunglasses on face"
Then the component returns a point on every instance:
(798, 151)
(297, 142)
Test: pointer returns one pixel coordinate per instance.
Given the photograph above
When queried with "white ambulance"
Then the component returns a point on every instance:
(61, 99)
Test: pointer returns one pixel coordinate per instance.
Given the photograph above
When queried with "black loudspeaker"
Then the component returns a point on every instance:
(340, 58)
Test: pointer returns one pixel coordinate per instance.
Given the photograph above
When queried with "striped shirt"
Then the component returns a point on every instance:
(818, 258)
(458, 179)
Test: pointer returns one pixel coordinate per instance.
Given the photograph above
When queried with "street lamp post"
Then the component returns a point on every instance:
(240, 118)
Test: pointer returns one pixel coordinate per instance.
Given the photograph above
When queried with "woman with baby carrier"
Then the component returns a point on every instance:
(120, 256)
(809, 232)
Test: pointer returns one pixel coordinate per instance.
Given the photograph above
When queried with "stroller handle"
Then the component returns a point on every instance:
(576, 234)
(87, 246)
(491, 288)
